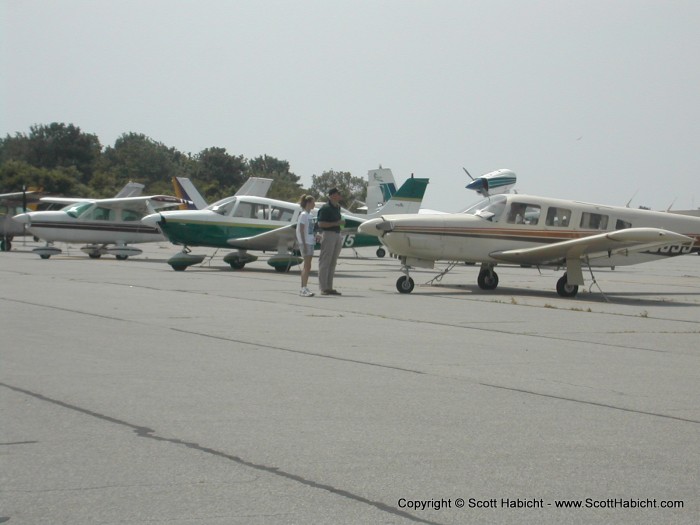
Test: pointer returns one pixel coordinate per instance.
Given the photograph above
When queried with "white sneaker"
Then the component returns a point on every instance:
(305, 292)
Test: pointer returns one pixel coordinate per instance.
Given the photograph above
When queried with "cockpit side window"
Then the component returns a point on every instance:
(558, 217)
(524, 213)
(244, 209)
(99, 213)
(622, 225)
(280, 213)
(131, 215)
(594, 221)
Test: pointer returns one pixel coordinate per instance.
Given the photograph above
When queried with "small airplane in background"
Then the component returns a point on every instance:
(492, 183)
(99, 223)
(12, 204)
(102, 222)
(536, 231)
(380, 187)
(261, 224)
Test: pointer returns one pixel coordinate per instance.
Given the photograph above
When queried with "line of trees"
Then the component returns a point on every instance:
(61, 159)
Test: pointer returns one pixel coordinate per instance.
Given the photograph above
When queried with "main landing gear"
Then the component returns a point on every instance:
(564, 289)
(6, 243)
(487, 280)
(405, 284)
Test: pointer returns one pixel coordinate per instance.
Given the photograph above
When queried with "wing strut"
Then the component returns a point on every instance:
(574, 273)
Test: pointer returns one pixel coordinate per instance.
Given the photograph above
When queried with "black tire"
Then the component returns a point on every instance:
(564, 289)
(282, 269)
(5, 245)
(44, 256)
(179, 267)
(122, 257)
(94, 255)
(381, 252)
(405, 284)
(237, 265)
(487, 280)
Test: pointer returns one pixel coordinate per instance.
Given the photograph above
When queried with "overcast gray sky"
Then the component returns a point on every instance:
(591, 100)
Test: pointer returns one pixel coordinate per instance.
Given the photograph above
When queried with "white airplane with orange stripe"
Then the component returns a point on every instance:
(528, 230)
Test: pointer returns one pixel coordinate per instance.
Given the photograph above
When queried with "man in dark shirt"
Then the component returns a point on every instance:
(329, 221)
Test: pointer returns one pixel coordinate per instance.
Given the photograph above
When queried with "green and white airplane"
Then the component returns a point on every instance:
(261, 224)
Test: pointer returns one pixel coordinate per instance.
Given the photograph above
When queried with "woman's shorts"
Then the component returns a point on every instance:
(307, 250)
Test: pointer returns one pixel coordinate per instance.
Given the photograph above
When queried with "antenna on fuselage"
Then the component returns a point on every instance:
(631, 198)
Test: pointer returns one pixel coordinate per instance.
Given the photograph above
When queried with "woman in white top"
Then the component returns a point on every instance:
(306, 240)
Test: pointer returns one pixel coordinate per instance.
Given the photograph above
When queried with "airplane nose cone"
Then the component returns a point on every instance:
(152, 220)
(23, 218)
(376, 227)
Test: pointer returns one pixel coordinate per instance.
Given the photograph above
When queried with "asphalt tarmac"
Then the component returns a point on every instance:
(130, 393)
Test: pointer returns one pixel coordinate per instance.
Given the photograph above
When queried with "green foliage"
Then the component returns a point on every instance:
(16, 175)
(285, 185)
(353, 189)
(135, 157)
(217, 174)
(63, 160)
(54, 146)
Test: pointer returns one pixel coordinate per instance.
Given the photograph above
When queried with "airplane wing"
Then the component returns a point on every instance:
(594, 246)
(132, 189)
(15, 195)
(156, 201)
(65, 200)
(270, 240)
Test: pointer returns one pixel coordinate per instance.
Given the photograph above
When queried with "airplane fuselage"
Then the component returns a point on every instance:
(58, 226)
(511, 222)
(208, 228)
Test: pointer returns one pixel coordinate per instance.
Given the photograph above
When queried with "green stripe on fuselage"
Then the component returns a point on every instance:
(214, 234)
(217, 234)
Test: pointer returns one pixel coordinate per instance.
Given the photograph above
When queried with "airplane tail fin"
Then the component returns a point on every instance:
(132, 189)
(184, 189)
(407, 199)
(255, 186)
(381, 186)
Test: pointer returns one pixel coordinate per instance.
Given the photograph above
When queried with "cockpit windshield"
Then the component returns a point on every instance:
(222, 207)
(219, 203)
(76, 210)
(490, 208)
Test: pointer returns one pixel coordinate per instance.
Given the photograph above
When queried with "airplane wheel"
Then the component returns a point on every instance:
(405, 284)
(381, 252)
(487, 280)
(237, 265)
(565, 289)
(5, 245)
(282, 269)
(122, 257)
(94, 255)
(44, 256)
(178, 267)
